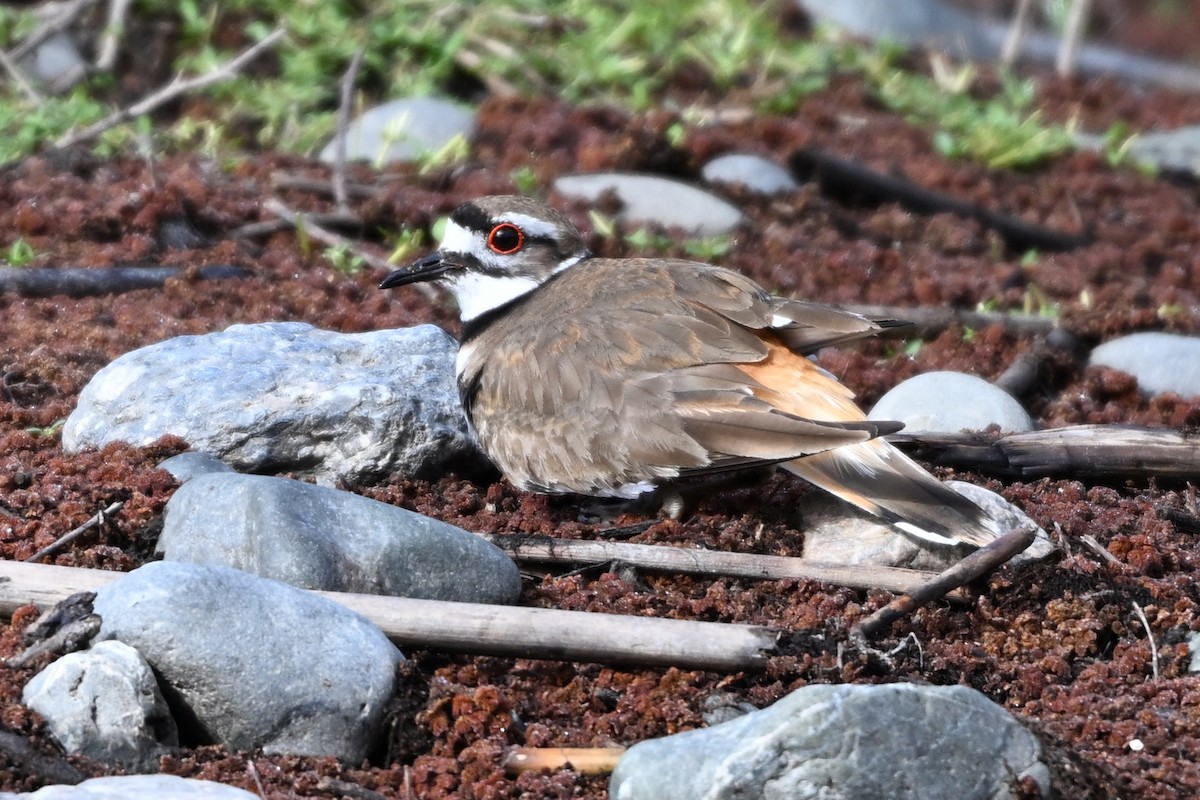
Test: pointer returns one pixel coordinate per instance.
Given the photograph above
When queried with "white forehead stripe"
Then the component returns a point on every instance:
(457, 239)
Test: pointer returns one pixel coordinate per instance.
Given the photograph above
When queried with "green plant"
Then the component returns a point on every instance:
(524, 180)
(20, 254)
(408, 241)
(343, 258)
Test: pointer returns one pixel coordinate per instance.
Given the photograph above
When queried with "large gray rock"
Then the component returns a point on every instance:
(949, 402)
(650, 199)
(320, 538)
(105, 703)
(257, 663)
(404, 130)
(137, 787)
(898, 741)
(287, 396)
(1161, 362)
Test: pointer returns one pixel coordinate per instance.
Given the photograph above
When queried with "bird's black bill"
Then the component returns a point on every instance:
(423, 269)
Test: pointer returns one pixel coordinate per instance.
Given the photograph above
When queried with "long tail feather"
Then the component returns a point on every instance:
(881, 480)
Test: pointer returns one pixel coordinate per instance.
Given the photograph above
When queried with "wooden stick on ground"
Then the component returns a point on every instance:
(584, 760)
(690, 561)
(71, 536)
(480, 629)
(974, 566)
(1078, 451)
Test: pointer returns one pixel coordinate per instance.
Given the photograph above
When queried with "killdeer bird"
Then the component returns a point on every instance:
(615, 377)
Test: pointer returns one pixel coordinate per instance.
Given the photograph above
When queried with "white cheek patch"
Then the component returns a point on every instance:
(477, 293)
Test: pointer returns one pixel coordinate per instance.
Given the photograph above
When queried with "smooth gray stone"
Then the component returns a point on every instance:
(897, 741)
(320, 538)
(56, 63)
(257, 663)
(949, 402)
(650, 199)
(1194, 651)
(137, 787)
(408, 129)
(754, 172)
(105, 704)
(185, 466)
(286, 396)
(1161, 362)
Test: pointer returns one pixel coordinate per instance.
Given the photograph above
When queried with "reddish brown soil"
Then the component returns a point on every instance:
(1059, 643)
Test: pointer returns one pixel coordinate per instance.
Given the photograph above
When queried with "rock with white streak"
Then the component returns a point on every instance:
(105, 703)
(276, 397)
(899, 741)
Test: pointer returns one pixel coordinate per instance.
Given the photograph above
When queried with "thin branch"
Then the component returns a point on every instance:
(110, 39)
(71, 536)
(1099, 549)
(86, 282)
(19, 79)
(343, 124)
(1016, 33)
(690, 561)
(1077, 451)
(973, 567)
(177, 87)
(1073, 34)
(1149, 635)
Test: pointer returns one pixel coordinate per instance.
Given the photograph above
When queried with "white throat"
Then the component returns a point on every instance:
(478, 294)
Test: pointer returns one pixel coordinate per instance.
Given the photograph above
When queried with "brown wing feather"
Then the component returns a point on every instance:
(702, 370)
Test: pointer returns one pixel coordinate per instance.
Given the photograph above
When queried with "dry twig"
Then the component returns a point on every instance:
(973, 567)
(1150, 636)
(1016, 33)
(343, 124)
(1073, 33)
(504, 631)
(67, 538)
(707, 562)
(18, 78)
(177, 87)
(110, 39)
(584, 760)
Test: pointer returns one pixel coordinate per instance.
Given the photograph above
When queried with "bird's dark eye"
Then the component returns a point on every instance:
(505, 239)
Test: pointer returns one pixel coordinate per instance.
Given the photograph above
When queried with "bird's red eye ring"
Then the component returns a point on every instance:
(506, 239)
